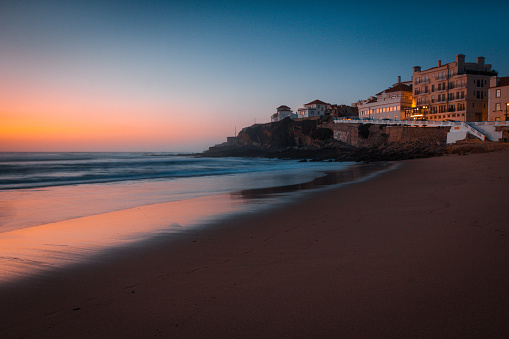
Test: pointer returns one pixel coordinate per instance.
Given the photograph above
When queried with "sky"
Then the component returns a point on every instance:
(180, 76)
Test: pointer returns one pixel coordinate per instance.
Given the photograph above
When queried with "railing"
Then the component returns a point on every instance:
(420, 123)
(458, 125)
(475, 132)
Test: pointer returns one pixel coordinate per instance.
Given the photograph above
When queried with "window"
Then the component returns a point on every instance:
(433, 88)
(497, 93)
(497, 107)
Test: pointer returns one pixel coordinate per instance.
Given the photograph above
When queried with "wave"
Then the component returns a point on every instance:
(34, 170)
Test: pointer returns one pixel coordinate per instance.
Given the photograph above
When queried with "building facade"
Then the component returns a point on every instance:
(498, 99)
(389, 104)
(454, 91)
(313, 109)
(282, 112)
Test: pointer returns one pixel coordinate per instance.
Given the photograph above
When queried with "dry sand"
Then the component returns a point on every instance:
(421, 251)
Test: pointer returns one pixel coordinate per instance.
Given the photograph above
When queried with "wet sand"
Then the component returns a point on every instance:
(416, 252)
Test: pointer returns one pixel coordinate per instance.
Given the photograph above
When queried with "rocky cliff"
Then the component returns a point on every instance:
(321, 139)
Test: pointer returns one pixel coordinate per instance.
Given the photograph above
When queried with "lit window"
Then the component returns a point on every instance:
(497, 93)
(497, 107)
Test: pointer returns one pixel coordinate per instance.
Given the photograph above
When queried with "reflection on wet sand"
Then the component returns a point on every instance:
(28, 251)
(350, 174)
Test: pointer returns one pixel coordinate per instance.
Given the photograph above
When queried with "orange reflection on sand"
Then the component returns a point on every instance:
(31, 250)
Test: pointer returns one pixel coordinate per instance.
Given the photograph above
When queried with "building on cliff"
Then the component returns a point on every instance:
(498, 99)
(389, 104)
(282, 112)
(454, 91)
(313, 109)
(342, 111)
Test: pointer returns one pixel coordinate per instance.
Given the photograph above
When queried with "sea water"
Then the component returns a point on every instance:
(60, 208)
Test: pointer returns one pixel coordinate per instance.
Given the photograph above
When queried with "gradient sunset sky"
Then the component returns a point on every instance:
(184, 75)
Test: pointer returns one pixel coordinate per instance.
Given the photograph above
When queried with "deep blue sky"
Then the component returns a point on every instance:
(211, 66)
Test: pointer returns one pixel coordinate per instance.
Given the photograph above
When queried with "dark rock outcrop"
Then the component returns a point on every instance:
(316, 140)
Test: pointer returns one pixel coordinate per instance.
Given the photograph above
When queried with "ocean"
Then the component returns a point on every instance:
(58, 209)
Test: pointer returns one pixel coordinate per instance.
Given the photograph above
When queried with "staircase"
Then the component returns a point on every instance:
(474, 131)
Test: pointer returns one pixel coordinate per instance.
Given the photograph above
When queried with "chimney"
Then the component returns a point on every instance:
(494, 81)
(417, 69)
(439, 63)
(399, 79)
(460, 58)
(480, 61)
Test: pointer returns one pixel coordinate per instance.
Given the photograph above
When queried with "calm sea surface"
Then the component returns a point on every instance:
(61, 208)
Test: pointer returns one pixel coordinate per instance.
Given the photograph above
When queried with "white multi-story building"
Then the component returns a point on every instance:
(498, 99)
(389, 104)
(313, 109)
(282, 112)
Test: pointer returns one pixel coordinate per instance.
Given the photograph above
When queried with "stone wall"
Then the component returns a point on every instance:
(367, 135)
(505, 133)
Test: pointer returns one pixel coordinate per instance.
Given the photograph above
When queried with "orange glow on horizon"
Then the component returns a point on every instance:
(51, 119)
(25, 132)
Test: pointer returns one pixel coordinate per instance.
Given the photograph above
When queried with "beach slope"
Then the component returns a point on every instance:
(420, 251)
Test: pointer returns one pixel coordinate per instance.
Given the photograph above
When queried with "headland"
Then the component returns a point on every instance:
(324, 138)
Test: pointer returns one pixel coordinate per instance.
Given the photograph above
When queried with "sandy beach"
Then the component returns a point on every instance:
(420, 251)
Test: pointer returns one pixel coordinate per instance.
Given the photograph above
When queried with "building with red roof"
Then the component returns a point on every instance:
(282, 112)
(388, 104)
(314, 108)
